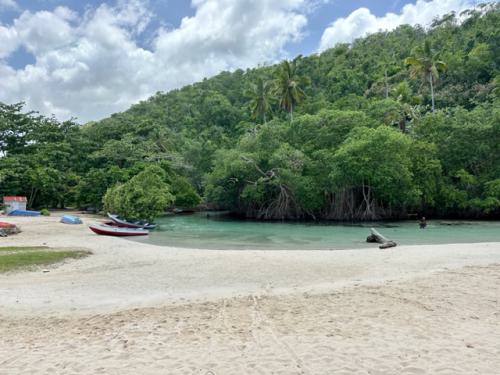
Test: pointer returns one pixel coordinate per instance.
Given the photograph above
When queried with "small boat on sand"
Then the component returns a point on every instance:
(70, 219)
(8, 229)
(130, 224)
(24, 213)
(108, 230)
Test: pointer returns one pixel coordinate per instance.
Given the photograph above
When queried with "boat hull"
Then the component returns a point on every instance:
(106, 230)
(70, 219)
(126, 224)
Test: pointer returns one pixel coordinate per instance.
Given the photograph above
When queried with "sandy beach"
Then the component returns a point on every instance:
(134, 308)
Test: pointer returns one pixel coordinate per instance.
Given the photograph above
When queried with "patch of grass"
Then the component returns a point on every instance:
(17, 258)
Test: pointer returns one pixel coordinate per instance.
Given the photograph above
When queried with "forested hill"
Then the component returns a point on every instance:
(401, 122)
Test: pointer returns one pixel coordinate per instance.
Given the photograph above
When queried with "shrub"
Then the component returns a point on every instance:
(145, 196)
(185, 195)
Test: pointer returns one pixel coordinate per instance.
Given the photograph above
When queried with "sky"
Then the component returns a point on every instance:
(89, 59)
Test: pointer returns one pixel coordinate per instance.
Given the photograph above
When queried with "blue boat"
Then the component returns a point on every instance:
(24, 213)
(70, 219)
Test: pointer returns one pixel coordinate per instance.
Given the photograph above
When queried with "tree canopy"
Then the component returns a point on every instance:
(376, 133)
(144, 196)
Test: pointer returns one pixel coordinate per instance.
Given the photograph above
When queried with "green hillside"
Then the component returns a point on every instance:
(348, 134)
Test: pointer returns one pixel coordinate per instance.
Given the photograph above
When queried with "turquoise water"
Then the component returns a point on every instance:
(219, 232)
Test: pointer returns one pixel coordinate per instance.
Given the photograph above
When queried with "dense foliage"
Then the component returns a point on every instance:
(144, 196)
(400, 122)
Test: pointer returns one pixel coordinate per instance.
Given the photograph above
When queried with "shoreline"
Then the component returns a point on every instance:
(124, 274)
(133, 308)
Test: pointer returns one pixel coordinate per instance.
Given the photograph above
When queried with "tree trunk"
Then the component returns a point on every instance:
(369, 213)
(386, 85)
(375, 236)
(32, 196)
(432, 90)
(402, 125)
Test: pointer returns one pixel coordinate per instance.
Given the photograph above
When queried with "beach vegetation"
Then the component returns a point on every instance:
(184, 193)
(16, 258)
(144, 196)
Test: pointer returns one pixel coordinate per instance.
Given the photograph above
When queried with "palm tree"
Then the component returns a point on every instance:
(385, 62)
(289, 86)
(260, 99)
(426, 64)
(408, 104)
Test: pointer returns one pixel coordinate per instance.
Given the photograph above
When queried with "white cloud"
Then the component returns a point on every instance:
(362, 22)
(9, 40)
(91, 65)
(8, 4)
(225, 34)
(44, 31)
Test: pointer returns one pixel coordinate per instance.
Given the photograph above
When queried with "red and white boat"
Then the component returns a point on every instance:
(108, 230)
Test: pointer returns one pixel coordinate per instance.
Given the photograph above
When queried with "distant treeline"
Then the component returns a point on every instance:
(398, 122)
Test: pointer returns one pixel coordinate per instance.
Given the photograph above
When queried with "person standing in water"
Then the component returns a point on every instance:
(422, 223)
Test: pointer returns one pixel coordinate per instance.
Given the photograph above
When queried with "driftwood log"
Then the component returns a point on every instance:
(375, 236)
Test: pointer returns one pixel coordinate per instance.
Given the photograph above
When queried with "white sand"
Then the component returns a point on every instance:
(140, 309)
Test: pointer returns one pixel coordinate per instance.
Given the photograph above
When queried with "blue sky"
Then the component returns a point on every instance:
(91, 58)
